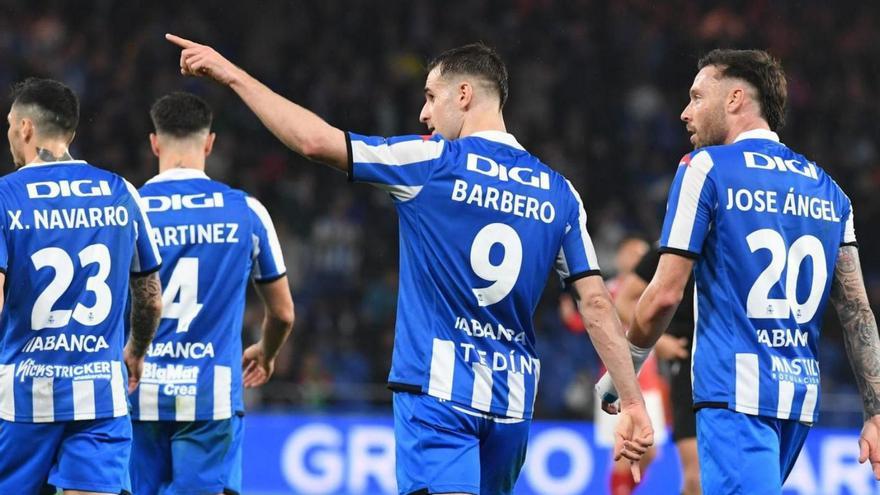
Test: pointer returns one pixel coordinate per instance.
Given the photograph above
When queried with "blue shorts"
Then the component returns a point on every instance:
(446, 448)
(187, 458)
(746, 455)
(72, 455)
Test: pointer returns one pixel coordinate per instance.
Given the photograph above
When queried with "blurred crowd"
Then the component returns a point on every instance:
(596, 91)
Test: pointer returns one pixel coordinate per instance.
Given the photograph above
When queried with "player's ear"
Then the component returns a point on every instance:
(465, 94)
(735, 99)
(27, 130)
(209, 143)
(154, 144)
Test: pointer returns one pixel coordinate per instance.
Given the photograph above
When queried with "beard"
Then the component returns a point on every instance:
(713, 131)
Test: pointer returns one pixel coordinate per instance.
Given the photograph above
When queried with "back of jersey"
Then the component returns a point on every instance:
(482, 222)
(766, 224)
(212, 239)
(71, 235)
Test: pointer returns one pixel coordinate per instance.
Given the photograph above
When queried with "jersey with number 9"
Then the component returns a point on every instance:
(71, 235)
(482, 222)
(765, 224)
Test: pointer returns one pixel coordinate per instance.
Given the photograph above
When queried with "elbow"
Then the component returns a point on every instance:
(314, 148)
(669, 300)
(599, 303)
(154, 305)
(284, 317)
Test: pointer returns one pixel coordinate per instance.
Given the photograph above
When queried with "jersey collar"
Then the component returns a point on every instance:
(43, 164)
(179, 174)
(499, 137)
(758, 134)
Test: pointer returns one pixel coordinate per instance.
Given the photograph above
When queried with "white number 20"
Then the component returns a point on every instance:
(505, 273)
(42, 314)
(759, 304)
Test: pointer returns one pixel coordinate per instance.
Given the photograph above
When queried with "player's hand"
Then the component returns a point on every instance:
(669, 348)
(869, 444)
(257, 369)
(135, 367)
(607, 393)
(633, 436)
(202, 60)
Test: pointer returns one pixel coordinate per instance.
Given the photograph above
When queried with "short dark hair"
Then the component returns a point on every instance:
(181, 115)
(475, 59)
(759, 69)
(54, 106)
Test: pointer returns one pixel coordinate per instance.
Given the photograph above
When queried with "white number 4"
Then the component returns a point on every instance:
(183, 287)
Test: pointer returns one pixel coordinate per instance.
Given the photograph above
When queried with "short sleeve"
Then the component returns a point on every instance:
(399, 165)
(576, 258)
(266, 253)
(848, 233)
(145, 258)
(691, 207)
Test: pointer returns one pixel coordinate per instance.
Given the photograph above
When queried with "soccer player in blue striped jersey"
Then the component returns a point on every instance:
(73, 239)
(769, 236)
(482, 222)
(187, 411)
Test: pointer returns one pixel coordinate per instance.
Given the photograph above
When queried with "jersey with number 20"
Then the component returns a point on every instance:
(71, 233)
(766, 225)
(482, 222)
(213, 240)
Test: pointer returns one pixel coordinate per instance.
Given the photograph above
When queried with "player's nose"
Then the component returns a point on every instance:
(686, 114)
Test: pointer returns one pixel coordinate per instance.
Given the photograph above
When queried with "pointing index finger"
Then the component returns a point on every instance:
(181, 42)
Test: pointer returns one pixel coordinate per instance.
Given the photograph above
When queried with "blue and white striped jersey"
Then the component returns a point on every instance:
(766, 225)
(482, 222)
(213, 240)
(71, 233)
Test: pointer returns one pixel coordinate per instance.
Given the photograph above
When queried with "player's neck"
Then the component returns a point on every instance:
(745, 125)
(182, 160)
(48, 151)
(486, 122)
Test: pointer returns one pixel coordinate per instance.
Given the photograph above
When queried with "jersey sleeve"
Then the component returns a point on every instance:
(266, 253)
(848, 233)
(691, 207)
(399, 165)
(145, 258)
(576, 258)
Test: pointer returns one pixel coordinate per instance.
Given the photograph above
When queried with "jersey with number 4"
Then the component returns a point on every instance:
(766, 225)
(71, 234)
(213, 240)
(482, 222)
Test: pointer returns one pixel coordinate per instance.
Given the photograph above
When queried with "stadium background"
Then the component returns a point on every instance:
(596, 91)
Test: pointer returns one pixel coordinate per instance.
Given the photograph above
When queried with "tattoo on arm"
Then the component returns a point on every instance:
(47, 156)
(859, 327)
(146, 311)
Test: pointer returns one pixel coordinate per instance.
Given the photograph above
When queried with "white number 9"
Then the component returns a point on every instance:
(506, 272)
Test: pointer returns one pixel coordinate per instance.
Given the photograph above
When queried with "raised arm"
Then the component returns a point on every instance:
(146, 311)
(258, 360)
(862, 346)
(298, 128)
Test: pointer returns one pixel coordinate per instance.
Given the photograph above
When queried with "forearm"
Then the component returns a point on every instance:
(606, 333)
(653, 314)
(860, 334)
(297, 127)
(146, 311)
(275, 332)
